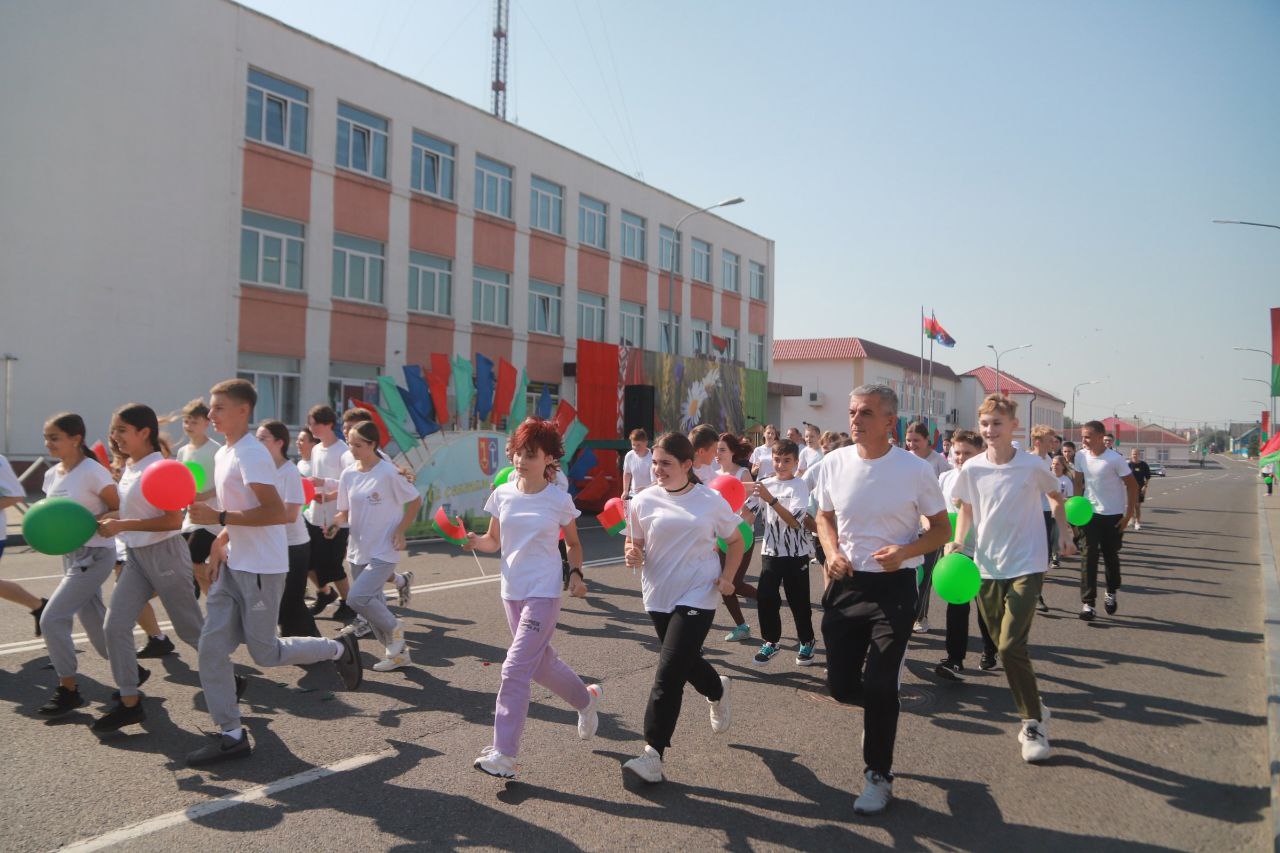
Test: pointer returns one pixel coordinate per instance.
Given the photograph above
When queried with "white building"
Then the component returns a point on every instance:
(1035, 405)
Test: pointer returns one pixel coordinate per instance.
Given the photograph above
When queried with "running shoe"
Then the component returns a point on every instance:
(358, 627)
(950, 670)
(589, 717)
(38, 612)
(1055, 564)
(875, 796)
(804, 657)
(62, 702)
(921, 626)
(739, 633)
(647, 765)
(987, 663)
(1040, 605)
(405, 591)
(766, 654)
(1034, 740)
(1087, 613)
(344, 613)
(496, 764)
(143, 675)
(348, 664)
(721, 711)
(222, 748)
(119, 716)
(1110, 603)
(156, 647)
(323, 599)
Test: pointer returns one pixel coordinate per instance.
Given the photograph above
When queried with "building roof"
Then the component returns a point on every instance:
(986, 376)
(1129, 432)
(847, 349)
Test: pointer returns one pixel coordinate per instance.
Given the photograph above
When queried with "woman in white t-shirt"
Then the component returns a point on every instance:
(527, 515)
(79, 477)
(762, 456)
(671, 536)
(295, 617)
(11, 494)
(733, 457)
(378, 504)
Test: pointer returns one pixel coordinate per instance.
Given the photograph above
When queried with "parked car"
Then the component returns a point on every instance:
(1157, 469)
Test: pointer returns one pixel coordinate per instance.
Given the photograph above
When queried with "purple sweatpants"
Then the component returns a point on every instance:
(531, 658)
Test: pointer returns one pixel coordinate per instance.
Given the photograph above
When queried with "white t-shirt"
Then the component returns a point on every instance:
(1103, 480)
(809, 456)
(707, 473)
(258, 550)
(938, 462)
(82, 484)
(947, 482)
(1010, 540)
(135, 507)
(326, 462)
(780, 540)
(289, 485)
(763, 456)
(640, 468)
(10, 487)
(1066, 488)
(530, 530)
(877, 502)
(679, 534)
(375, 500)
(204, 454)
(304, 467)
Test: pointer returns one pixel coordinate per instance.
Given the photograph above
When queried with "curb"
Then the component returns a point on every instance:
(1271, 635)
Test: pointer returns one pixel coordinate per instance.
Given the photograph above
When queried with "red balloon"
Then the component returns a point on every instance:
(617, 503)
(731, 489)
(168, 485)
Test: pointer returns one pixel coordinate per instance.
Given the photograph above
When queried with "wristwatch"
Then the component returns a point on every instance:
(222, 518)
(773, 502)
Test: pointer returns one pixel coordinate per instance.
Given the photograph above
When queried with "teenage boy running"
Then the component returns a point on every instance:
(785, 556)
(199, 449)
(637, 465)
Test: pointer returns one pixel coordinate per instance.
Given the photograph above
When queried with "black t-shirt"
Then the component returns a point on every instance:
(1141, 472)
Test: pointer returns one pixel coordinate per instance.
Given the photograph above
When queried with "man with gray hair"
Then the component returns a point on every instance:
(870, 500)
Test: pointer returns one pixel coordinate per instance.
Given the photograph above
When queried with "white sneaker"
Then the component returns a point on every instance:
(647, 765)
(1137, 525)
(721, 712)
(921, 626)
(588, 718)
(358, 627)
(495, 763)
(405, 592)
(876, 796)
(396, 654)
(1035, 741)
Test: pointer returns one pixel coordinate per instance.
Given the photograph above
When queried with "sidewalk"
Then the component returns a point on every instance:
(1268, 548)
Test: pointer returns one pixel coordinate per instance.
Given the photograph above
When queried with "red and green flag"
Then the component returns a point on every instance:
(1275, 352)
(451, 530)
(612, 519)
(934, 331)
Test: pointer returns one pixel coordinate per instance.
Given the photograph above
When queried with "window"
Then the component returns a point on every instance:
(701, 259)
(276, 112)
(731, 348)
(277, 381)
(729, 271)
(755, 352)
(491, 297)
(546, 206)
(357, 268)
(430, 284)
(701, 337)
(668, 241)
(633, 237)
(757, 280)
(270, 250)
(669, 332)
(362, 141)
(593, 222)
(632, 332)
(591, 314)
(533, 393)
(544, 308)
(493, 187)
(432, 168)
(350, 381)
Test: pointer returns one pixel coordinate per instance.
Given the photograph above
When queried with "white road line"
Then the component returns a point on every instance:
(200, 810)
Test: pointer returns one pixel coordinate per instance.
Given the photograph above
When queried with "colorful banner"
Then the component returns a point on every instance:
(484, 386)
(505, 390)
(519, 403)
(384, 435)
(1275, 352)
(464, 391)
(389, 397)
(419, 403)
(543, 412)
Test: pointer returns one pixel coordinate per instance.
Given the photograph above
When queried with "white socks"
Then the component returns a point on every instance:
(235, 733)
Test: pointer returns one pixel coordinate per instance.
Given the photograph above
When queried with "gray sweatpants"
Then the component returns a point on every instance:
(162, 569)
(79, 593)
(243, 608)
(367, 597)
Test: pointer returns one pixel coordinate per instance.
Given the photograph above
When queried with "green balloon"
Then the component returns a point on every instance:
(951, 516)
(58, 526)
(504, 475)
(956, 578)
(197, 471)
(1079, 511)
(748, 538)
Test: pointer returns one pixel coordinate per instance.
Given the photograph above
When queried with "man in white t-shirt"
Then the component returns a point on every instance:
(870, 500)
(637, 465)
(811, 453)
(1110, 487)
(248, 566)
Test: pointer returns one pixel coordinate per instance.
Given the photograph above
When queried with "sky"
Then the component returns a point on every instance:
(1031, 172)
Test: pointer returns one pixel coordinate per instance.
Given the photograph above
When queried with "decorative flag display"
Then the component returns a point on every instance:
(506, 389)
(484, 386)
(543, 412)
(612, 519)
(384, 436)
(934, 331)
(464, 391)
(519, 404)
(1275, 352)
(451, 530)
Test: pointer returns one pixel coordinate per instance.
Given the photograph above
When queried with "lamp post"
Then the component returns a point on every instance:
(671, 272)
(9, 359)
(1074, 392)
(1000, 353)
(1270, 360)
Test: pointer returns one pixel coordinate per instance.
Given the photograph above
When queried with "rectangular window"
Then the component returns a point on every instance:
(493, 187)
(546, 206)
(491, 297)
(593, 222)
(357, 268)
(729, 271)
(276, 112)
(631, 333)
(730, 351)
(362, 142)
(701, 260)
(350, 381)
(701, 337)
(270, 250)
(668, 243)
(432, 167)
(544, 308)
(755, 354)
(669, 333)
(757, 280)
(430, 284)
(633, 229)
(278, 382)
(591, 314)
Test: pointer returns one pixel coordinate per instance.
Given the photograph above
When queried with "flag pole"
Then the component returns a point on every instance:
(920, 376)
(929, 409)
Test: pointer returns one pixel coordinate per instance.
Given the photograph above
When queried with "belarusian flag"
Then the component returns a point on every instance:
(612, 519)
(451, 530)
(1270, 452)
(1275, 352)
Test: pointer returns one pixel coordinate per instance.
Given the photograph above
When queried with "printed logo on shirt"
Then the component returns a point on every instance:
(375, 499)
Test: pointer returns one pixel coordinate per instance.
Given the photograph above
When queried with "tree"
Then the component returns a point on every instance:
(1253, 446)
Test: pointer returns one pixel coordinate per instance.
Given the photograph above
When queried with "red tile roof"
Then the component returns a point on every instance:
(1127, 432)
(1008, 383)
(846, 349)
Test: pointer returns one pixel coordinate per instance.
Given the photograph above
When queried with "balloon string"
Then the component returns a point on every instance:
(478, 566)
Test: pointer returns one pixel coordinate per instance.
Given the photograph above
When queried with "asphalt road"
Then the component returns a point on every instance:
(1158, 728)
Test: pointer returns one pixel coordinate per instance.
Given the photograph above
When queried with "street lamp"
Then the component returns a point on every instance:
(1075, 391)
(671, 273)
(999, 353)
(1267, 353)
(1238, 222)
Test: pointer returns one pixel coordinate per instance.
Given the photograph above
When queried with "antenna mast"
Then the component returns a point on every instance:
(501, 13)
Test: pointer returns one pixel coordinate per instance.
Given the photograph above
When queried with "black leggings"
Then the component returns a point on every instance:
(792, 574)
(680, 661)
(295, 617)
(958, 633)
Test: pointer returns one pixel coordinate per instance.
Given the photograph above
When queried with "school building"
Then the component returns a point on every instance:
(194, 190)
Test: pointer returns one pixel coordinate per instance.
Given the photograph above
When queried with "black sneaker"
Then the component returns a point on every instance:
(222, 748)
(38, 612)
(344, 613)
(242, 684)
(350, 667)
(143, 675)
(987, 663)
(323, 600)
(1087, 613)
(950, 670)
(1110, 603)
(156, 647)
(1054, 563)
(118, 717)
(1040, 605)
(62, 701)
